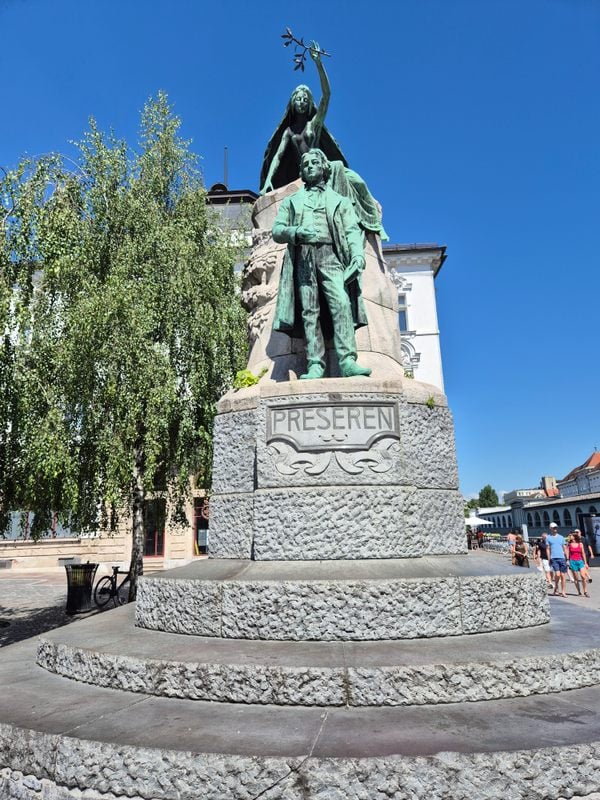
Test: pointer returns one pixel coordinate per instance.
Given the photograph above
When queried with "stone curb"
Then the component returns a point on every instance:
(61, 767)
(343, 610)
(428, 684)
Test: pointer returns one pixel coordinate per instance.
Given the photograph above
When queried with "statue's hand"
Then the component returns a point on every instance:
(305, 235)
(354, 269)
(314, 51)
(358, 263)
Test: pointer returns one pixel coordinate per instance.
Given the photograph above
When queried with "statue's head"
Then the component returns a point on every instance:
(302, 102)
(315, 167)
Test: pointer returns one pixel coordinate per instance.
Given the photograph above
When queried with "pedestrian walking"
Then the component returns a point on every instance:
(558, 559)
(589, 553)
(540, 555)
(578, 563)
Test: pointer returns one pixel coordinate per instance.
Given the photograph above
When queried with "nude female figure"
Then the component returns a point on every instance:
(303, 128)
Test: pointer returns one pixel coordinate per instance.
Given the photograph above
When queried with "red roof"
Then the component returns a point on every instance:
(593, 462)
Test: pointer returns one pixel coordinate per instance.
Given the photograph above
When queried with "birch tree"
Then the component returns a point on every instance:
(122, 327)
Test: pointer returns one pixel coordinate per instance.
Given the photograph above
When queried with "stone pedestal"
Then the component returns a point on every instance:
(335, 469)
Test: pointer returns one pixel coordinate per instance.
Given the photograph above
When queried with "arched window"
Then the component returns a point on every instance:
(556, 517)
(529, 519)
(592, 510)
(538, 521)
(567, 518)
(503, 521)
(546, 518)
(509, 521)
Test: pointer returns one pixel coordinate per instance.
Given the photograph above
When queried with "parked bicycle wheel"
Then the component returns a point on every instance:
(122, 595)
(103, 593)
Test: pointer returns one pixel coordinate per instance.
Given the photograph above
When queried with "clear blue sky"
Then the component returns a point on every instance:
(476, 123)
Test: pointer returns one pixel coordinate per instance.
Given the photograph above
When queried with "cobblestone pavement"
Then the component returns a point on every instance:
(32, 603)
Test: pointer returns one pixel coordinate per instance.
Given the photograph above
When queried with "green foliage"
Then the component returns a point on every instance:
(430, 402)
(487, 497)
(469, 505)
(122, 325)
(246, 378)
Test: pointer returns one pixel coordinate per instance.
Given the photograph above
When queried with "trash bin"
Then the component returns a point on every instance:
(80, 581)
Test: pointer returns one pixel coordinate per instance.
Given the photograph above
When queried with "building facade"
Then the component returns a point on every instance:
(414, 268)
(573, 502)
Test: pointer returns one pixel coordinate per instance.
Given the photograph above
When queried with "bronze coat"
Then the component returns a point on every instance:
(348, 241)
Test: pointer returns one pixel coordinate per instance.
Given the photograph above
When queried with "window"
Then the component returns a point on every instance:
(592, 510)
(567, 518)
(503, 521)
(556, 517)
(538, 521)
(402, 319)
(546, 518)
(509, 518)
(529, 520)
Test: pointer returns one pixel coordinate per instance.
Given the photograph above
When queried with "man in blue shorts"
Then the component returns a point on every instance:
(557, 550)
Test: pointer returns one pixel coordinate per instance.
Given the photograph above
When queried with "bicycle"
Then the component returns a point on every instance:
(108, 589)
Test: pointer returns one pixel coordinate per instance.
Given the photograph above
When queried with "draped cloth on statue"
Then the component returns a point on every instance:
(349, 184)
(343, 180)
(289, 166)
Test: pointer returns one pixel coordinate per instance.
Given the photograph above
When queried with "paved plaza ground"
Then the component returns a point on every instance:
(33, 602)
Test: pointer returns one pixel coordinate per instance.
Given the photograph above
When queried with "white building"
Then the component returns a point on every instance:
(413, 268)
(584, 479)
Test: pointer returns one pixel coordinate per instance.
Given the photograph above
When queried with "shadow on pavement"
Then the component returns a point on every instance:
(17, 625)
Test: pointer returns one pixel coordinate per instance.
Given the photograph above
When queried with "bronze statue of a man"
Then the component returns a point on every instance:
(319, 291)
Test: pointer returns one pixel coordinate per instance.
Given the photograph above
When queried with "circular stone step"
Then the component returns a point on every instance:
(551, 658)
(343, 600)
(94, 740)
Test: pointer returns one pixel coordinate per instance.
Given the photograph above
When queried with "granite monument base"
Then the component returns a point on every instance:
(110, 712)
(335, 469)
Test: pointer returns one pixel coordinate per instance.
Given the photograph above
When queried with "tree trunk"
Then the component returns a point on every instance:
(136, 567)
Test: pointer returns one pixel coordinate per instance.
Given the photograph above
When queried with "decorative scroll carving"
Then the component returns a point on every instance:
(289, 461)
(379, 458)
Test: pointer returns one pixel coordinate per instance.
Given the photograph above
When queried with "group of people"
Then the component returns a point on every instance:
(560, 558)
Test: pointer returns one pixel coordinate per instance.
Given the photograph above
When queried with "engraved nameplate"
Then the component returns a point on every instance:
(314, 427)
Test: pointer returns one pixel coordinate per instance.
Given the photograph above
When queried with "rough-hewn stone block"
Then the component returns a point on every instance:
(234, 445)
(231, 525)
(336, 523)
(179, 606)
(327, 611)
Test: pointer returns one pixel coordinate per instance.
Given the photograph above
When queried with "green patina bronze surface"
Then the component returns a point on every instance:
(302, 128)
(319, 293)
